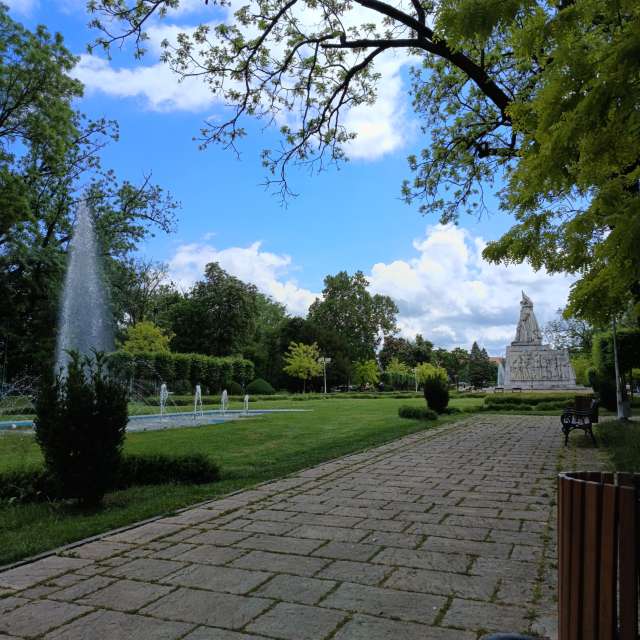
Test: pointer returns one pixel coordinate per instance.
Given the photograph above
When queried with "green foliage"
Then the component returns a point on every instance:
(366, 373)
(435, 383)
(260, 387)
(234, 389)
(183, 368)
(481, 371)
(455, 363)
(80, 426)
(163, 468)
(405, 351)
(145, 337)
(417, 413)
(222, 308)
(302, 361)
(622, 441)
(581, 364)
(355, 315)
(398, 375)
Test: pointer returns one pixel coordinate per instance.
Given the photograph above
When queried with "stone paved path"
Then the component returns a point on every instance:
(442, 535)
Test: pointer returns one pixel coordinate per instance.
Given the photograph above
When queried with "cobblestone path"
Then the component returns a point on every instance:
(442, 535)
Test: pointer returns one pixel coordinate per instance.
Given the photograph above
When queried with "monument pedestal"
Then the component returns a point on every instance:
(538, 367)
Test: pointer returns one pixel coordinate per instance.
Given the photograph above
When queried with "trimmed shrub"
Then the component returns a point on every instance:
(80, 427)
(417, 413)
(435, 384)
(181, 366)
(182, 387)
(261, 387)
(163, 364)
(25, 485)
(18, 411)
(234, 389)
(452, 410)
(146, 469)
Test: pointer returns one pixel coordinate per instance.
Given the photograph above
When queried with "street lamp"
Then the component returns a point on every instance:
(324, 361)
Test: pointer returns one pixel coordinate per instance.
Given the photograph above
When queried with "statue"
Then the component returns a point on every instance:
(528, 331)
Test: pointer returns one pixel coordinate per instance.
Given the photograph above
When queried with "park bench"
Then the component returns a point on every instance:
(582, 415)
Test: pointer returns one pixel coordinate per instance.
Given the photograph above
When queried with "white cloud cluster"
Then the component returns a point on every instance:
(446, 291)
(268, 271)
(22, 7)
(452, 296)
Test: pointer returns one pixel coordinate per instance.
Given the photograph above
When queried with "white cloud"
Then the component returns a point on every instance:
(268, 271)
(452, 296)
(446, 291)
(23, 7)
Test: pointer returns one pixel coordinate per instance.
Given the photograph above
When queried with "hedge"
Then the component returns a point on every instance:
(417, 413)
(35, 485)
(180, 369)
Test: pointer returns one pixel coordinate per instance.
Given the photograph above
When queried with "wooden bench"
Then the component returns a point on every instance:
(580, 416)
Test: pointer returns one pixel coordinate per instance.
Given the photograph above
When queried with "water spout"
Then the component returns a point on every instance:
(85, 320)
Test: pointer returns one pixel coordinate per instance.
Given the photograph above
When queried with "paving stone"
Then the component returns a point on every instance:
(81, 589)
(145, 533)
(192, 516)
(11, 602)
(280, 563)
(272, 515)
(510, 568)
(98, 550)
(468, 614)
(264, 526)
(296, 589)
(362, 627)
(529, 554)
(150, 569)
(114, 625)
(38, 617)
(280, 544)
(297, 622)
(381, 525)
(347, 551)
(422, 559)
(217, 537)
(328, 520)
(445, 531)
(208, 608)
(224, 579)
(469, 547)
(173, 551)
(388, 603)
(318, 532)
(209, 554)
(359, 572)
(32, 573)
(442, 583)
(209, 633)
(125, 595)
(392, 539)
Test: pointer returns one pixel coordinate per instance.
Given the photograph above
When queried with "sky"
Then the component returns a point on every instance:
(350, 218)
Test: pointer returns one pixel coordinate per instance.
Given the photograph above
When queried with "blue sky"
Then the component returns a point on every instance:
(351, 218)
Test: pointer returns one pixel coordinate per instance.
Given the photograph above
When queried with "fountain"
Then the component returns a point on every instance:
(224, 401)
(164, 396)
(85, 322)
(246, 404)
(198, 409)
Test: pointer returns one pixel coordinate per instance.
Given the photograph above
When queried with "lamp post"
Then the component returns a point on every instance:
(324, 361)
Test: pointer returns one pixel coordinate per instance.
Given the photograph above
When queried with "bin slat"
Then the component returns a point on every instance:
(591, 559)
(628, 562)
(576, 551)
(608, 564)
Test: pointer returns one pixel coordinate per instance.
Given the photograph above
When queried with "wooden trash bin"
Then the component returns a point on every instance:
(598, 556)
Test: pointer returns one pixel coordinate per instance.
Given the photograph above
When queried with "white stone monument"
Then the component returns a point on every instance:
(532, 365)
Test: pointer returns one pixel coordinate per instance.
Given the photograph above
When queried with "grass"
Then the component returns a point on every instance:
(248, 452)
(622, 441)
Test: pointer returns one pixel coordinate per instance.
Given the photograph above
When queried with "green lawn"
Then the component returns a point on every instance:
(622, 441)
(248, 452)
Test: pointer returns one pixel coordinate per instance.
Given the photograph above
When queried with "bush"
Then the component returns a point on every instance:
(17, 411)
(261, 387)
(182, 387)
(452, 410)
(234, 389)
(25, 485)
(195, 468)
(435, 384)
(417, 413)
(80, 426)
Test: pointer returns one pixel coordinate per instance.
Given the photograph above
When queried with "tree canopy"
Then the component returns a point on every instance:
(535, 101)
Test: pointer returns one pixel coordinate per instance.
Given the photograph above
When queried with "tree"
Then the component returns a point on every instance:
(217, 317)
(572, 334)
(302, 362)
(535, 100)
(146, 337)
(406, 351)
(398, 374)
(480, 368)
(355, 315)
(49, 160)
(455, 362)
(366, 373)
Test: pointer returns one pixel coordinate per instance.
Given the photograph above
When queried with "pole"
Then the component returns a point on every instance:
(621, 415)
(324, 370)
